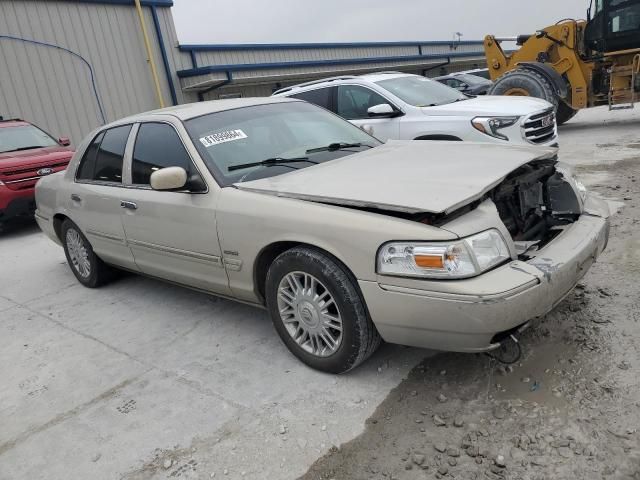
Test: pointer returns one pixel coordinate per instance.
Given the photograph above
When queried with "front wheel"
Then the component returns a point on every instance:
(318, 311)
(90, 270)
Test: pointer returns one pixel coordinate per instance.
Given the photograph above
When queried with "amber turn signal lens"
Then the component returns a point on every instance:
(429, 261)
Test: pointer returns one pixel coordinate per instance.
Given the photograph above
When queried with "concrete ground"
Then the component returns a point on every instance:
(143, 380)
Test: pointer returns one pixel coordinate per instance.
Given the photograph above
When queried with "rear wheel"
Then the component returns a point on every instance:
(522, 82)
(318, 311)
(85, 264)
(564, 113)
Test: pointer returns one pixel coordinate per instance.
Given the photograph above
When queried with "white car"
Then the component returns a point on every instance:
(398, 106)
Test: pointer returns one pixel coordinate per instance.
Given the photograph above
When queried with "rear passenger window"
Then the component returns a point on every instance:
(320, 96)
(158, 146)
(102, 162)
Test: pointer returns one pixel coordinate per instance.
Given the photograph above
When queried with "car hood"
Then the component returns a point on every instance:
(35, 157)
(405, 176)
(493, 105)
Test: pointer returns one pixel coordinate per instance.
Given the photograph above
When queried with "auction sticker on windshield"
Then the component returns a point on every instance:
(222, 137)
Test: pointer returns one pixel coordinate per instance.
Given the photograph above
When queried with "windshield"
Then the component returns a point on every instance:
(23, 137)
(421, 92)
(290, 130)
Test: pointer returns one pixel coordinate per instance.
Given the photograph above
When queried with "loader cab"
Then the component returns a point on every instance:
(613, 25)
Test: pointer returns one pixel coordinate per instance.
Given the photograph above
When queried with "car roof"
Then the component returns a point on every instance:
(365, 78)
(376, 77)
(459, 74)
(449, 75)
(192, 110)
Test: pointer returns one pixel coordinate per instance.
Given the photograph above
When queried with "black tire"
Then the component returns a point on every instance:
(525, 80)
(360, 339)
(564, 113)
(99, 273)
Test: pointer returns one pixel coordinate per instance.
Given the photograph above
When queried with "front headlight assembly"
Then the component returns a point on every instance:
(492, 125)
(457, 259)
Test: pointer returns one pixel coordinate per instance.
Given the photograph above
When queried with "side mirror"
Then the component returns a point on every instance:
(382, 110)
(64, 141)
(170, 178)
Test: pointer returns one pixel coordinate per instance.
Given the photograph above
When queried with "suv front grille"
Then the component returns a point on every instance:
(23, 178)
(540, 127)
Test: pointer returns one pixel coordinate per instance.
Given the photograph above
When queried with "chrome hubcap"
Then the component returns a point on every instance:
(310, 314)
(78, 253)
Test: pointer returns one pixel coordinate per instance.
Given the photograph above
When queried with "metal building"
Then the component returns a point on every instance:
(69, 66)
(72, 65)
(224, 70)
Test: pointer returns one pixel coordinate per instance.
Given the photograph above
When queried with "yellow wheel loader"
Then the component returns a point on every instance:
(574, 64)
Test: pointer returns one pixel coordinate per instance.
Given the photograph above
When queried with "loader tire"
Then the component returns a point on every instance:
(525, 82)
(564, 113)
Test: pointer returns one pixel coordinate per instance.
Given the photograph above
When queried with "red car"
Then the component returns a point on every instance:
(27, 153)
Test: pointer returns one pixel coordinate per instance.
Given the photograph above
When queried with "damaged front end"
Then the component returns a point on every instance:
(537, 202)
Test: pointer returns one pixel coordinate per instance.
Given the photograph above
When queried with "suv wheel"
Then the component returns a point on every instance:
(85, 264)
(318, 311)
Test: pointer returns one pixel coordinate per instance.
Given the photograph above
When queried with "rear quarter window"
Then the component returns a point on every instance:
(319, 96)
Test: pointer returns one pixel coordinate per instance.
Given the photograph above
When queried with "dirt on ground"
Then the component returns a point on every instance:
(568, 409)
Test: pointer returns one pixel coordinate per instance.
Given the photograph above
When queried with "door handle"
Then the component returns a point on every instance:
(128, 205)
(75, 198)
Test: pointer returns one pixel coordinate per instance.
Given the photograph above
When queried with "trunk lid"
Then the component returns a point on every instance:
(405, 176)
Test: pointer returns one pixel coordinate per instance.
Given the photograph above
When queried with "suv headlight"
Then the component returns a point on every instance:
(458, 259)
(492, 125)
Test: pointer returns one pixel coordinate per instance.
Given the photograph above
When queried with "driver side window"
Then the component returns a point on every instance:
(354, 101)
(158, 146)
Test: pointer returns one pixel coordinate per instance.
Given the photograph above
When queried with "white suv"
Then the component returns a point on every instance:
(400, 106)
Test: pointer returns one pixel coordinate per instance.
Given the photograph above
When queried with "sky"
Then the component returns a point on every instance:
(295, 21)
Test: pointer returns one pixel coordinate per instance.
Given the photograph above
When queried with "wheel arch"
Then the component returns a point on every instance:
(58, 220)
(269, 253)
